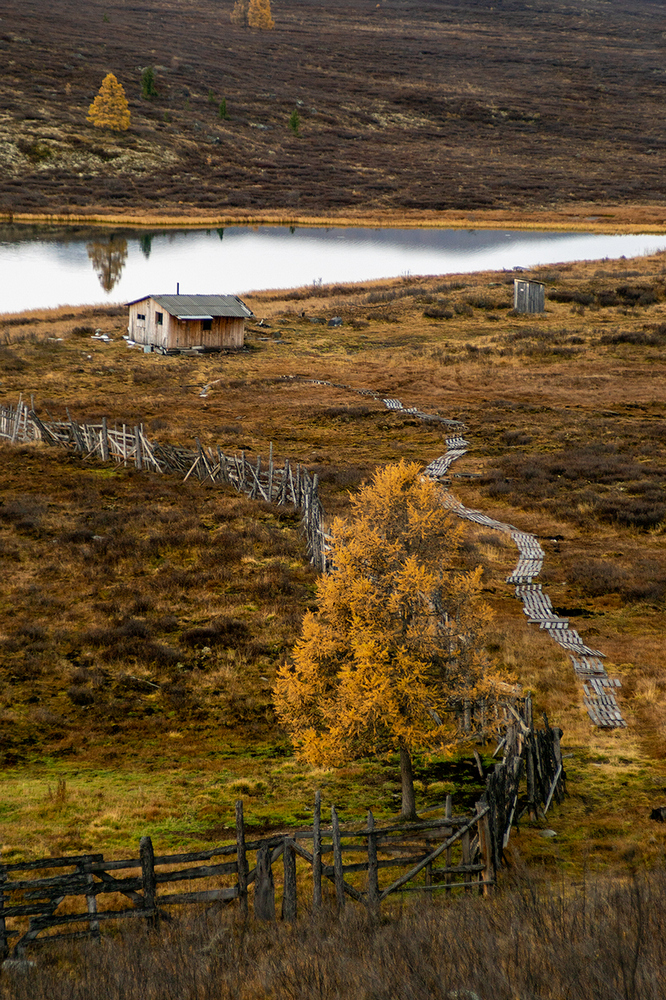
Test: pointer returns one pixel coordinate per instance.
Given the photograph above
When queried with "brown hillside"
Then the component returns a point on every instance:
(405, 106)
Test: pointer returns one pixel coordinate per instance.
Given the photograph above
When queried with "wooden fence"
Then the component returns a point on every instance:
(286, 484)
(52, 897)
(244, 872)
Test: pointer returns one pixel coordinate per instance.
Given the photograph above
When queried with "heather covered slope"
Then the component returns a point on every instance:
(409, 106)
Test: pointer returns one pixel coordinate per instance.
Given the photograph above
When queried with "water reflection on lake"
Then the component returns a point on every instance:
(108, 257)
(41, 267)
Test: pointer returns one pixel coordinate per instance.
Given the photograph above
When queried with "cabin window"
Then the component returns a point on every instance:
(208, 324)
(141, 317)
(158, 318)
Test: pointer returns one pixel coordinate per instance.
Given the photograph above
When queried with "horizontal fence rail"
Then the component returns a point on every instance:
(55, 899)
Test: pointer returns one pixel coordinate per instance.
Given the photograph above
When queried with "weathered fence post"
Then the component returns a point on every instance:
(289, 903)
(105, 440)
(298, 499)
(147, 857)
(91, 898)
(4, 946)
(486, 850)
(241, 857)
(270, 472)
(137, 449)
(17, 420)
(466, 854)
(282, 490)
(531, 784)
(316, 853)
(222, 459)
(337, 861)
(529, 720)
(373, 870)
(264, 887)
(448, 814)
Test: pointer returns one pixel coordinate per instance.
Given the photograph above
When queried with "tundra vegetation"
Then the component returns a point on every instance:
(143, 620)
(118, 581)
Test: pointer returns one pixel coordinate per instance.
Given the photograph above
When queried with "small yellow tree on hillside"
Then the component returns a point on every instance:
(110, 108)
(259, 15)
(395, 649)
(239, 12)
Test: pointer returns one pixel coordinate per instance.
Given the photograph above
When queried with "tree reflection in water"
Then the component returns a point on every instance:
(108, 258)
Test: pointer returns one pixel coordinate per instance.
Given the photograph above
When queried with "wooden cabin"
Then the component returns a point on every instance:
(185, 322)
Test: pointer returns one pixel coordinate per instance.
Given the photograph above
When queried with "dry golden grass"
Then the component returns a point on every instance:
(592, 937)
(588, 217)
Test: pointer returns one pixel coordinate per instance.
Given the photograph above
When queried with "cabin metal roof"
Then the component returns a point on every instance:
(199, 306)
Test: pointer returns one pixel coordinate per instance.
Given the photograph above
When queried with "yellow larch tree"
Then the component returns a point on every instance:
(259, 15)
(395, 649)
(239, 12)
(110, 108)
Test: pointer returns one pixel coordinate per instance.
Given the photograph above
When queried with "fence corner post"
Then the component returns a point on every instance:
(241, 857)
(147, 857)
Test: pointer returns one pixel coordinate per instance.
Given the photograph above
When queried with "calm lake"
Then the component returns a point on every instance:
(42, 267)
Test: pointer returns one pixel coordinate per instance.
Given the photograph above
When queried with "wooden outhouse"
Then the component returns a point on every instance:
(184, 322)
(529, 296)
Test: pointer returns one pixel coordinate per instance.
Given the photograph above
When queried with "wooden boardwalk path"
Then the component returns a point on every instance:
(599, 690)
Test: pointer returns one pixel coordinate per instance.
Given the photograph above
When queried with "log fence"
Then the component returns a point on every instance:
(128, 445)
(56, 899)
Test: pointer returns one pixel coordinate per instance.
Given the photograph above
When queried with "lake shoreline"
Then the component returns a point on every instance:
(590, 218)
(74, 260)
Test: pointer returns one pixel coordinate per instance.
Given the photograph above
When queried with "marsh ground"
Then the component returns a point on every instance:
(142, 619)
